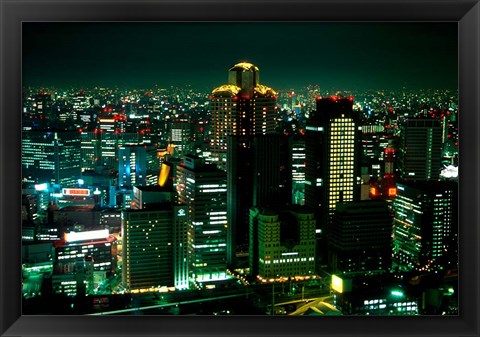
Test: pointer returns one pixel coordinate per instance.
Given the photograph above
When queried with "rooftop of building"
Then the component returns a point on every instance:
(155, 188)
(63, 243)
(244, 66)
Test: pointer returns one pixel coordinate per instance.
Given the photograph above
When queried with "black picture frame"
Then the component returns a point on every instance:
(14, 12)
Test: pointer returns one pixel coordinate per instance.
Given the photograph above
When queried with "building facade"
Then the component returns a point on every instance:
(425, 227)
(241, 107)
(333, 157)
(360, 237)
(282, 244)
(51, 157)
(420, 150)
(203, 188)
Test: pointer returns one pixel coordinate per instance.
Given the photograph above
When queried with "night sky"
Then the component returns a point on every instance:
(334, 55)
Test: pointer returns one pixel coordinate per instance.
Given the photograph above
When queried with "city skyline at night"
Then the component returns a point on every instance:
(240, 169)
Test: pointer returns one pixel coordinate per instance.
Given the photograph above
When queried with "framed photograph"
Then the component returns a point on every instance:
(153, 183)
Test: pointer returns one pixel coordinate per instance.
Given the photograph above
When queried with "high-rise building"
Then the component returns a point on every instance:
(137, 165)
(51, 157)
(154, 247)
(203, 188)
(282, 243)
(333, 153)
(241, 107)
(89, 149)
(425, 227)
(108, 140)
(180, 136)
(258, 174)
(420, 150)
(298, 170)
(360, 237)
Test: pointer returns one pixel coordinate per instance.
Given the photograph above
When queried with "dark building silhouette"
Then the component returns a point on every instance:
(420, 150)
(258, 174)
(360, 237)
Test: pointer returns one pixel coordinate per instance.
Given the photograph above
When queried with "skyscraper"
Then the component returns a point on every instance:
(153, 251)
(51, 157)
(203, 188)
(180, 136)
(360, 237)
(298, 170)
(425, 226)
(420, 150)
(333, 152)
(258, 174)
(137, 165)
(243, 106)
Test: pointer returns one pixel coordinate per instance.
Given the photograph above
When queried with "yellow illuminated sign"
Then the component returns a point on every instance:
(164, 172)
(337, 284)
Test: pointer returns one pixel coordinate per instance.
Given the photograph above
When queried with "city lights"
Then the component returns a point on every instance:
(197, 187)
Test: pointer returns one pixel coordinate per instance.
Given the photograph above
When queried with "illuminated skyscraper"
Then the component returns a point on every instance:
(420, 150)
(89, 149)
(108, 140)
(180, 136)
(203, 188)
(51, 157)
(333, 152)
(298, 170)
(154, 246)
(243, 107)
(425, 226)
(137, 165)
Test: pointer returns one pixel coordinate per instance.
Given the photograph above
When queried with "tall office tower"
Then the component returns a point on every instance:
(242, 107)
(425, 226)
(333, 153)
(137, 165)
(282, 243)
(154, 247)
(298, 170)
(51, 157)
(43, 105)
(180, 136)
(89, 149)
(450, 136)
(163, 197)
(389, 189)
(360, 237)
(258, 174)
(108, 140)
(420, 150)
(80, 105)
(203, 188)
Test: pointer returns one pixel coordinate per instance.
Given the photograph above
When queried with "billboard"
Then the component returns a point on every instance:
(340, 285)
(76, 191)
(84, 236)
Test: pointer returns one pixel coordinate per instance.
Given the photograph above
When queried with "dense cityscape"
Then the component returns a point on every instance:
(162, 175)
(242, 200)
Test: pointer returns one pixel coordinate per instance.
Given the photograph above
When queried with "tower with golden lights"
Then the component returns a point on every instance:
(242, 107)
